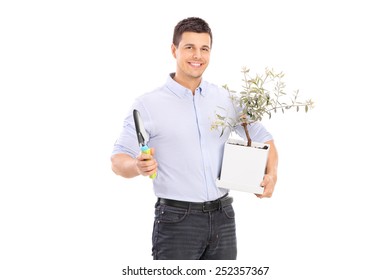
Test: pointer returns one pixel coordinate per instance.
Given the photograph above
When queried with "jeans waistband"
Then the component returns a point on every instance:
(207, 206)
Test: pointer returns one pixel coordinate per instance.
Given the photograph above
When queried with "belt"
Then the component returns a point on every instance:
(207, 206)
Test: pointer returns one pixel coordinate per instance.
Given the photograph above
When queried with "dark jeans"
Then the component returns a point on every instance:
(186, 234)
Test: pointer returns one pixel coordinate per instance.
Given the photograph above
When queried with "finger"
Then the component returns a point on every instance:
(266, 194)
(265, 181)
(154, 171)
(143, 157)
(148, 165)
(148, 170)
(151, 171)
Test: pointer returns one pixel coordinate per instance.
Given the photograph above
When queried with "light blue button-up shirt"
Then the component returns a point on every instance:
(188, 152)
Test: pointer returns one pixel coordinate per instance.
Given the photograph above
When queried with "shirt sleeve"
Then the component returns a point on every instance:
(257, 132)
(127, 142)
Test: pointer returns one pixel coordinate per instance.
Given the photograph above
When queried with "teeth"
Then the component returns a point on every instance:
(195, 64)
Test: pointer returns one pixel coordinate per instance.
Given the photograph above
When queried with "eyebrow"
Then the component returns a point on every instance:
(192, 45)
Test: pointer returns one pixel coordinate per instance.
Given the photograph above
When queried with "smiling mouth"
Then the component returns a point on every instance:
(195, 64)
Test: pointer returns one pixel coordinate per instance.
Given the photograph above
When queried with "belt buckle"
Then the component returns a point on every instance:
(206, 207)
(210, 206)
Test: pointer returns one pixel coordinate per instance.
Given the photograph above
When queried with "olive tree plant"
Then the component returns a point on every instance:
(261, 95)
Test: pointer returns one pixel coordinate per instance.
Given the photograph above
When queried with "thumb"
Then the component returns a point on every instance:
(262, 184)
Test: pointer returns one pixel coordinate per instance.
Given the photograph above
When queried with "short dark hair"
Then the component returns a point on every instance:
(191, 24)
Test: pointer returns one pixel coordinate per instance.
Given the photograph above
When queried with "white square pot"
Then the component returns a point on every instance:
(243, 167)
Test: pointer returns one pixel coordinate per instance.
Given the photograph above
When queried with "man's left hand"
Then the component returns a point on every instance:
(268, 184)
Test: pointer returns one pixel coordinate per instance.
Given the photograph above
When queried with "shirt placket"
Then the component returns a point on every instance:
(199, 113)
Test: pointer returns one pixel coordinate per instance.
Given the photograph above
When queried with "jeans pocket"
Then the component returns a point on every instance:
(229, 212)
(167, 214)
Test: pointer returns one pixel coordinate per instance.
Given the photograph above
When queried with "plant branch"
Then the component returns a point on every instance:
(258, 96)
(245, 125)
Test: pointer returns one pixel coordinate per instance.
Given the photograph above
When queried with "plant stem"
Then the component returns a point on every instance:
(245, 125)
(284, 106)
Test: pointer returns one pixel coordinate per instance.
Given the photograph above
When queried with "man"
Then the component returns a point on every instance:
(194, 219)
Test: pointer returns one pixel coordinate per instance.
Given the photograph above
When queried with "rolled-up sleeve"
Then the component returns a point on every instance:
(127, 140)
(257, 132)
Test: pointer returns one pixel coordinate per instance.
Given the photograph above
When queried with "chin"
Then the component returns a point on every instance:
(197, 74)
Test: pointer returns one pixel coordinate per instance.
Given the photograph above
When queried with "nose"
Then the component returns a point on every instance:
(196, 54)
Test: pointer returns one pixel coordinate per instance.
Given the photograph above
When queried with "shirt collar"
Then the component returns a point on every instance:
(181, 91)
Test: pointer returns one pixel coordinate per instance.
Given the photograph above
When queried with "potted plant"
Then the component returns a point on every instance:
(264, 94)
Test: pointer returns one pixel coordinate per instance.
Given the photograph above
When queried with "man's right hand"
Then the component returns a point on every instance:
(146, 164)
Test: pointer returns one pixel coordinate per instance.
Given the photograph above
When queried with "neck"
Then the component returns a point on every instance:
(191, 83)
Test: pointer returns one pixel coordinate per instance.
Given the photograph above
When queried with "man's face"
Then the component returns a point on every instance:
(192, 55)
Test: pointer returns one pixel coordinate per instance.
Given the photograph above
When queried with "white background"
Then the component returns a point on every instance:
(69, 71)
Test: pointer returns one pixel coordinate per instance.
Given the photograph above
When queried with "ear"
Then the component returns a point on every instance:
(173, 50)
